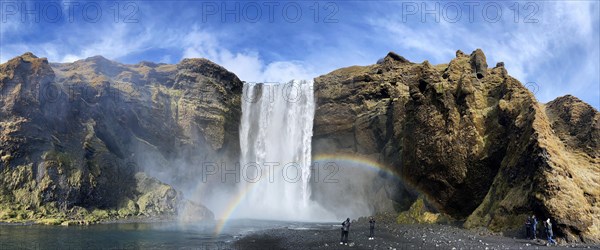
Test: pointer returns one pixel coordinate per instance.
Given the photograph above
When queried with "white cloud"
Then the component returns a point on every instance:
(284, 71)
(248, 66)
(429, 40)
(113, 41)
(116, 40)
(8, 27)
(576, 15)
(528, 49)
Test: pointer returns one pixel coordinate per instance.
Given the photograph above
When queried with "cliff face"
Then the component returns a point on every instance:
(81, 135)
(471, 139)
(80, 141)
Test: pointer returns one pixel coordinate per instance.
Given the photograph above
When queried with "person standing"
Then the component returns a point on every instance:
(534, 223)
(345, 229)
(549, 234)
(528, 227)
(371, 228)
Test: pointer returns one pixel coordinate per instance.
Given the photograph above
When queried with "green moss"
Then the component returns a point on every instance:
(75, 178)
(147, 202)
(439, 88)
(19, 214)
(6, 158)
(101, 214)
(418, 214)
(441, 67)
(130, 209)
(97, 215)
(47, 209)
(79, 213)
(49, 221)
(19, 186)
(21, 196)
(62, 160)
(514, 199)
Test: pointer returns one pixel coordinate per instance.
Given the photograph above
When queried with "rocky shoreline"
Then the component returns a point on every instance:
(389, 235)
(84, 222)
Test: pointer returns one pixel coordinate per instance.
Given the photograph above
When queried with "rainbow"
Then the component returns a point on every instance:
(232, 205)
(355, 160)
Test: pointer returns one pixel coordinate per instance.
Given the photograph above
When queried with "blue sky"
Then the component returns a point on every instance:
(551, 46)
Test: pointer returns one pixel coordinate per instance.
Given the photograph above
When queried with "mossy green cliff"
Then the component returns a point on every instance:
(77, 139)
(471, 139)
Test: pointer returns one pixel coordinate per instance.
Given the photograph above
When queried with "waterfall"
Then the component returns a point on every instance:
(275, 139)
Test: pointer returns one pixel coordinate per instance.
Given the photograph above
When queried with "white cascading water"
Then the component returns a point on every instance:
(275, 138)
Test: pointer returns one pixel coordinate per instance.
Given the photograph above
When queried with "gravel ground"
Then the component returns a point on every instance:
(390, 236)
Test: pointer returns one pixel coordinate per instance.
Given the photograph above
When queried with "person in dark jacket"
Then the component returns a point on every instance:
(371, 228)
(345, 229)
(534, 223)
(549, 234)
(528, 227)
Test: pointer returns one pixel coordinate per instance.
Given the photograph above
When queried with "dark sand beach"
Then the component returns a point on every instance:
(391, 236)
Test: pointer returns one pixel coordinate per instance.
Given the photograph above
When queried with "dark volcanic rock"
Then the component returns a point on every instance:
(74, 135)
(396, 57)
(479, 63)
(473, 140)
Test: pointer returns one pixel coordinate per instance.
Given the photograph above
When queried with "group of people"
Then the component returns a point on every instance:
(346, 229)
(531, 228)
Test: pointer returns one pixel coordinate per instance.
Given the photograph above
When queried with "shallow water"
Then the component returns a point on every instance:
(136, 235)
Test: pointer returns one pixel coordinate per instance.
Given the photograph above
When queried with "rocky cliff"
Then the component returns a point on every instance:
(472, 140)
(77, 139)
(95, 139)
